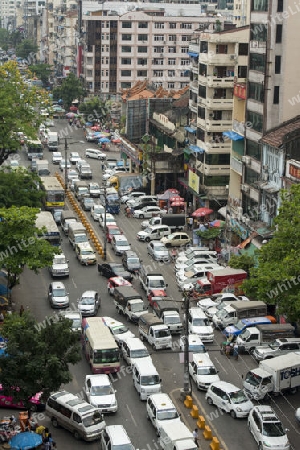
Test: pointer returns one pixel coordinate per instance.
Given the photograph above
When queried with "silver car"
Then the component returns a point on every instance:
(60, 266)
(89, 303)
(58, 295)
(158, 251)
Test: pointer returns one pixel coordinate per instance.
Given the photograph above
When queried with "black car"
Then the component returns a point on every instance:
(57, 215)
(109, 270)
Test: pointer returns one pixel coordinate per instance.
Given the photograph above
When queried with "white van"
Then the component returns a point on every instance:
(115, 437)
(160, 409)
(95, 154)
(199, 324)
(69, 411)
(146, 379)
(133, 349)
(153, 233)
(229, 398)
(202, 371)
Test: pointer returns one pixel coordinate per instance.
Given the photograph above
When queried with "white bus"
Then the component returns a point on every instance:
(44, 220)
(99, 346)
(34, 149)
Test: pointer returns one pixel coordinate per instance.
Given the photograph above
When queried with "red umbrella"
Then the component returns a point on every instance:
(95, 128)
(176, 199)
(116, 141)
(178, 203)
(172, 191)
(202, 212)
(73, 108)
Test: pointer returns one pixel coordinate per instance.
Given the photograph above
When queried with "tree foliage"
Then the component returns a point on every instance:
(210, 233)
(41, 71)
(20, 244)
(17, 111)
(9, 39)
(276, 279)
(27, 49)
(70, 89)
(94, 108)
(19, 188)
(244, 262)
(37, 355)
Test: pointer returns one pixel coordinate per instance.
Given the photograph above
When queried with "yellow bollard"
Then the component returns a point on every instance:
(201, 423)
(207, 434)
(188, 402)
(194, 412)
(215, 444)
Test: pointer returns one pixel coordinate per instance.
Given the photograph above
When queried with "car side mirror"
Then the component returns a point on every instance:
(67, 260)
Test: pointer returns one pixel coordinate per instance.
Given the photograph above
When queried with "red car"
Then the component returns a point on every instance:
(156, 294)
(112, 230)
(116, 282)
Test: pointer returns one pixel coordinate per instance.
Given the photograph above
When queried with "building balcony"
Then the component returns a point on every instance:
(89, 54)
(219, 103)
(89, 66)
(238, 127)
(194, 48)
(214, 81)
(218, 125)
(194, 86)
(218, 192)
(218, 59)
(90, 79)
(193, 106)
(215, 146)
(236, 165)
(212, 170)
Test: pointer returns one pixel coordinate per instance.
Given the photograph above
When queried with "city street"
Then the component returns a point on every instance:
(32, 293)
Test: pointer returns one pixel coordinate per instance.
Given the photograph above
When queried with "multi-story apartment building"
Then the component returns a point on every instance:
(8, 14)
(273, 87)
(138, 45)
(218, 61)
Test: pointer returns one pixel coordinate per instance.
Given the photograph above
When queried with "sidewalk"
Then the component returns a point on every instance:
(191, 423)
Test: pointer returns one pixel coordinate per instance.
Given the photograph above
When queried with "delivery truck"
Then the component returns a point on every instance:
(129, 303)
(224, 280)
(176, 222)
(252, 337)
(52, 141)
(274, 376)
(42, 167)
(77, 233)
(231, 314)
(153, 330)
(176, 436)
(167, 310)
(150, 280)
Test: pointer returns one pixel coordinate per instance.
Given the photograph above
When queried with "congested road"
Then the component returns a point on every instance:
(32, 293)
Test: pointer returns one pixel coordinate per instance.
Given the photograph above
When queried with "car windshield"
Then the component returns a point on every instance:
(76, 323)
(87, 301)
(149, 379)
(171, 237)
(197, 348)
(198, 322)
(273, 429)
(156, 284)
(118, 269)
(108, 219)
(240, 325)
(167, 414)
(137, 307)
(98, 210)
(114, 232)
(142, 353)
(238, 397)
(171, 319)
(207, 371)
(122, 244)
(119, 330)
(133, 261)
(101, 390)
(162, 333)
(88, 200)
(274, 345)
(59, 292)
(87, 252)
(160, 248)
(91, 420)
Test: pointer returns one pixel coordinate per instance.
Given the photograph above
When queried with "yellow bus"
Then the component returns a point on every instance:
(54, 193)
(99, 346)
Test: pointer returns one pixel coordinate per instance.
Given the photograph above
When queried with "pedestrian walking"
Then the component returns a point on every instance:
(196, 437)
(190, 223)
(236, 351)
(227, 349)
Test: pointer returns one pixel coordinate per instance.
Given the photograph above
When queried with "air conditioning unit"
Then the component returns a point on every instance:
(265, 176)
(245, 188)
(227, 187)
(265, 167)
(232, 57)
(246, 159)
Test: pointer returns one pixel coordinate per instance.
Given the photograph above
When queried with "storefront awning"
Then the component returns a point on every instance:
(233, 135)
(196, 149)
(193, 54)
(222, 211)
(190, 129)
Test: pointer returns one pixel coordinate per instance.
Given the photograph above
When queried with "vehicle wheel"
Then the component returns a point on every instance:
(148, 418)
(141, 337)
(147, 239)
(141, 216)
(168, 245)
(54, 422)
(251, 350)
(233, 414)
(293, 391)
(209, 401)
(77, 435)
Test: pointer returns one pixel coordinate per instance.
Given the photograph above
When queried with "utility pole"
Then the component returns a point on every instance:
(104, 227)
(66, 167)
(186, 374)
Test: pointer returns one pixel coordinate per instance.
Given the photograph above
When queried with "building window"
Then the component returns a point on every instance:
(126, 49)
(125, 73)
(253, 149)
(221, 49)
(278, 39)
(202, 70)
(172, 37)
(158, 49)
(158, 37)
(202, 91)
(157, 73)
(259, 5)
(142, 37)
(125, 85)
(171, 61)
(171, 49)
(256, 92)
(184, 49)
(143, 25)
(251, 177)
(184, 62)
(142, 73)
(280, 6)
(126, 24)
(142, 49)
(257, 62)
(242, 71)
(186, 26)
(277, 64)
(142, 61)
(258, 32)
(126, 37)
(256, 121)
(276, 95)
(171, 73)
(201, 112)
(126, 61)
(172, 25)
(215, 159)
(243, 49)
(171, 85)
(89, 73)
(183, 85)
(185, 38)
(203, 47)
(159, 25)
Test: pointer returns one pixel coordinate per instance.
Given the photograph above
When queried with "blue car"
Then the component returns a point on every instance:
(235, 330)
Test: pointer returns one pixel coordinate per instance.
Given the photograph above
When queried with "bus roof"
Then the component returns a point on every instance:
(51, 183)
(45, 219)
(98, 334)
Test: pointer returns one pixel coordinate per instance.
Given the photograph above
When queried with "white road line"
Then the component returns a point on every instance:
(132, 418)
(74, 284)
(221, 365)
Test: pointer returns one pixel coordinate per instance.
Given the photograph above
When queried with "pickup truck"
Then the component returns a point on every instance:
(153, 330)
(168, 311)
(151, 281)
(129, 303)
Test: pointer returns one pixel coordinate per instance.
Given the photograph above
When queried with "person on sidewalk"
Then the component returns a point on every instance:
(236, 351)
(190, 223)
(196, 437)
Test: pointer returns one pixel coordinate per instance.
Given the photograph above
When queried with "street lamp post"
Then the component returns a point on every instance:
(104, 228)
(66, 166)
(187, 390)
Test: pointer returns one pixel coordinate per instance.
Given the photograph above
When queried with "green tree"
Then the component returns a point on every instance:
(41, 71)
(4, 39)
(27, 49)
(210, 233)
(70, 89)
(20, 188)
(94, 108)
(244, 262)
(38, 355)
(20, 245)
(17, 109)
(276, 279)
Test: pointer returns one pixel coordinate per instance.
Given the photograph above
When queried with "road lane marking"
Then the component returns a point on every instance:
(132, 418)
(74, 284)
(221, 365)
